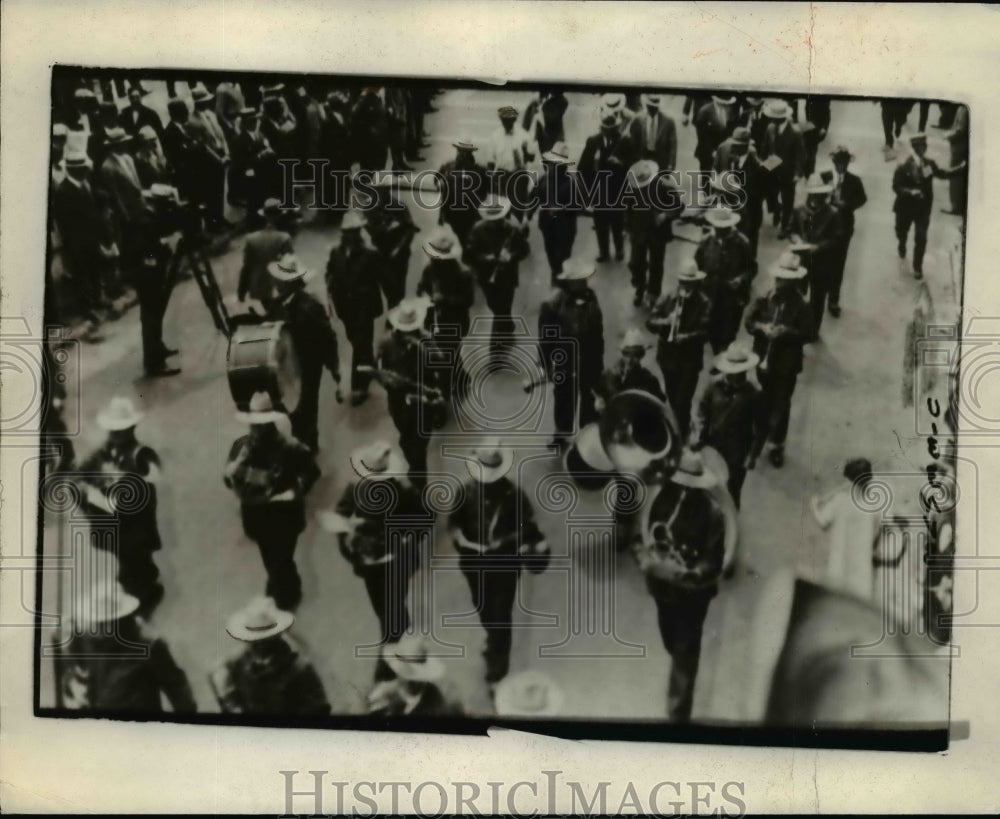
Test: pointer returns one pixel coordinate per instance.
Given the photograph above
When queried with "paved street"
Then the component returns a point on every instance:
(589, 617)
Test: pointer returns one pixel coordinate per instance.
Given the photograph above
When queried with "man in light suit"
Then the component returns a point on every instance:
(651, 135)
(214, 154)
(120, 180)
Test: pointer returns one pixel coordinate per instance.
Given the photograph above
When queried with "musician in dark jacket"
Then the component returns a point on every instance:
(413, 387)
(816, 229)
(373, 523)
(418, 687)
(571, 333)
(557, 201)
(737, 157)
(495, 536)
(119, 501)
(714, 123)
(654, 204)
(463, 183)
(315, 343)
(913, 184)
(604, 179)
(783, 140)
(451, 290)
(495, 248)
(725, 257)
(732, 417)
(848, 196)
(391, 229)
(680, 319)
(271, 475)
(369, 128)
(115, 662)
(353, 278)
(780, 324)
(272, 674)
(628, 373)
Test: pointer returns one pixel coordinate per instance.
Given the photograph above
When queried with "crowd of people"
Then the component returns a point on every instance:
(226, 144)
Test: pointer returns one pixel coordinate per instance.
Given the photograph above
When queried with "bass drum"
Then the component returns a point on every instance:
(262, 358)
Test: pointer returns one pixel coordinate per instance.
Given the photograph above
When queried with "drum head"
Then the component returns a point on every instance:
(287, 371)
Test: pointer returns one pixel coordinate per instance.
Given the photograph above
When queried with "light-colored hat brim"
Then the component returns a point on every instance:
(433, 253)
(691, 278)
(785, 273)
(395, 468)
(488, 474)
(237, 629)
(722, 219)
(724, 365)
(111, 424)
(407, 327)
(576, 274)
(430, 670)
(507, 696)
(495, 215)
(126, 604)
(464, 146)
(556, 159)
(269, 417)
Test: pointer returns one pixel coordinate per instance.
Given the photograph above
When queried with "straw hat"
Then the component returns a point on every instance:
(201, 94)
(494, 207)
(789, 266)
(736, 358)
(77, 158)
(443, 244)
(815, 186)
(258, 620)
(120, 413)
(642, 173)
(260, 410)
(650, 99)
(117, 136)
(249, 111)
(287, 269)
(722, 218)
(84, 94)
(613, 102)
(353, 220)
(690, 272)
(634, 339)
(160, 191)
(60, 130)
(559, 155)
(777, 109)
(730, 100)
(409, 660)
(576, 270)
(271, 208)
(105, 603)
(408, 315)
(740, 135)
(147, 133)
(492, 461)
(465, 144)
(528, 694)
(378, 461)
(693, 473)
(272, 90)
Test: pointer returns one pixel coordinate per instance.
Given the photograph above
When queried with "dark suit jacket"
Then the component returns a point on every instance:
(179, 148)
(603, 178)
(753, 176)
(354, 285)
(133, 119)
(262, 247)
(757, 123)
(634, 148)
(78, 217)
(788, 146)
(125, 193)
(851, 197)
(711, 130)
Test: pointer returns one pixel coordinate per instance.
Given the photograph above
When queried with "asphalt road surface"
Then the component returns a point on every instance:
(588, 621)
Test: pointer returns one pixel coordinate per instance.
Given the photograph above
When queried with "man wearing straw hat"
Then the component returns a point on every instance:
(604, 178)
(271, 674)
(418, 688)
(726, 258)
(780, 323)
(495, 249)
(495, 536)
(817, 233)
(688, 538)
(314, 338)
(368, 522)
(414, 390)
(119, 482)
(613, 105)
(271, 475)
(714, 123)
(741, 167)
(629, 373)
(463, 184)
(680, 319)
(150, 163)
(848, 196)
(261, 248)
(783, 144)
(654, 202)
(391, 229)
(353, 277)
(253, 173)
(732, 417)
(557, 201)
(507, 157)
(116, 662)
(572, 327)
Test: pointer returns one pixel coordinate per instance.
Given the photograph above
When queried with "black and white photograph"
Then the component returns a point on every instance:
(380, 407)
(546, 403)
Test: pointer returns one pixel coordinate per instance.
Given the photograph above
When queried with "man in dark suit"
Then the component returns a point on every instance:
(604, 179)
(136, 115)
(817, 125)
(736, 156)
(783, 140)
(913, 184)
(651, 135)
(262, 247)
(179, 147)
(713, 123)
(78, 217)
(752, 118)
(848, 195)
(369, 128)
(817, 228)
